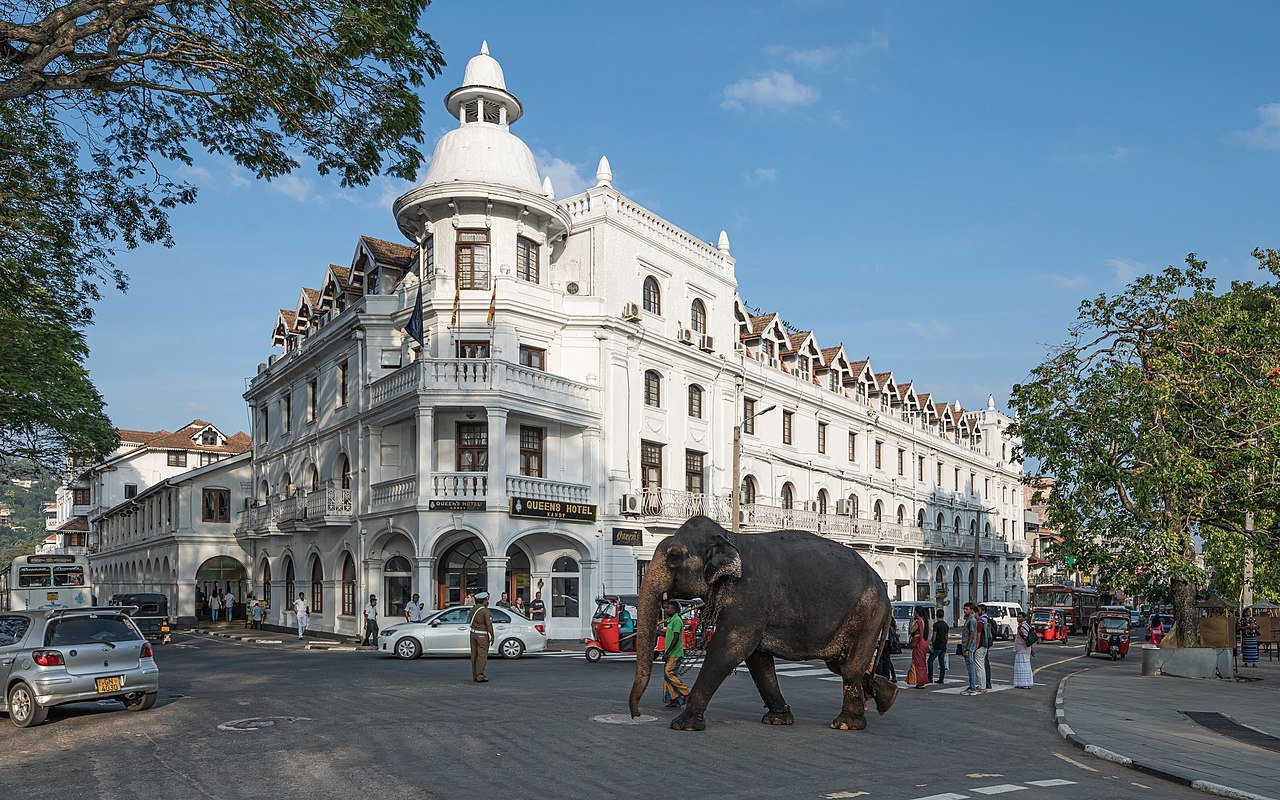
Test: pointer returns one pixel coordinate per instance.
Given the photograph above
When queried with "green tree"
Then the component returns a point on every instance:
(1159, 421)
(98, 99)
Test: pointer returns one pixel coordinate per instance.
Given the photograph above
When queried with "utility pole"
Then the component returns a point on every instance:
(735, 492)
(1246, 581)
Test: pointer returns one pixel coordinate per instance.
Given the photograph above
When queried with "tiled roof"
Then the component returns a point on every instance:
(75, 524)
(858, 367)
(794, 340)
(290, 317)
(137, 437)
(925, 398)
(389, 252)
(758, 324)
(181, 439)
(313, 296)
(829, 353)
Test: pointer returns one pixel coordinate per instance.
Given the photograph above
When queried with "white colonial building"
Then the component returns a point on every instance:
(585, 364)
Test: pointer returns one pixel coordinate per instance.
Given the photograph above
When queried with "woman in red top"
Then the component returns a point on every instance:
(920, 648)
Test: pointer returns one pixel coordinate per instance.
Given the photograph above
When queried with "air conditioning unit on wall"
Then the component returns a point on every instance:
(810, 505)
(706, 344)
(844, 508)
(684, 336)
(631, 311)
(631, 505)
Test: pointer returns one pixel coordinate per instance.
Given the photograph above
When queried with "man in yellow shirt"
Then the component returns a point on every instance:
(674, 691)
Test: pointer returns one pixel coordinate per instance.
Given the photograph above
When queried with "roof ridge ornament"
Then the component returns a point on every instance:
(484, 47)
(604, 175)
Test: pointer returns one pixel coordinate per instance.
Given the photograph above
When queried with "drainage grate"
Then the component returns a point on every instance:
(1223, 725)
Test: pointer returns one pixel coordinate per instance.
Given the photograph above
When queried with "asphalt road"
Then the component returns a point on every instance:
(354, 723)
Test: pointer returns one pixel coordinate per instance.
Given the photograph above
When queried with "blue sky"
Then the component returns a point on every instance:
(936, 185)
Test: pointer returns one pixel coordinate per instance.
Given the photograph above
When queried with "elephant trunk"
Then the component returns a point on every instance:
(657, 580)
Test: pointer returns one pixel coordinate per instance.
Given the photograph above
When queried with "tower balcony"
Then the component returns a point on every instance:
(484, 382)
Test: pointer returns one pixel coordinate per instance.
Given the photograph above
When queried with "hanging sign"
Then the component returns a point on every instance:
(633, 537)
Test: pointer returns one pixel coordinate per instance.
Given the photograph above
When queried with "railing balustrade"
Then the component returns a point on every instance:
(394, 491)
(473, 485)
(545, 489)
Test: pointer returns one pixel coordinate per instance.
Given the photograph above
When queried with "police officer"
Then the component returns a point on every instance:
(413, 610)
(481, 636)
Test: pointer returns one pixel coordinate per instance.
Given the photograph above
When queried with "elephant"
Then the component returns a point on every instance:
(784, 594)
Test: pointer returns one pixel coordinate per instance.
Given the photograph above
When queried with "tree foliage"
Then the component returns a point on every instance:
(98, 98)
(1159, 422)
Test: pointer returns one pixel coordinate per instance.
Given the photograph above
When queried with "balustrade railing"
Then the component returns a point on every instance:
(473, 485)
(479, 374)
(394, 491)
(328, 503)
(545, 489)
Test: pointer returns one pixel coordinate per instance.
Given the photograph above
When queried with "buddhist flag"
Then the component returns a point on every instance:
(457, 298)
(414, 328)
(493, 302)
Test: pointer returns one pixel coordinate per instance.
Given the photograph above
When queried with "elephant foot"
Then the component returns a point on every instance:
(688, 721)
(848, 722)
(884, 691)
(782, 717)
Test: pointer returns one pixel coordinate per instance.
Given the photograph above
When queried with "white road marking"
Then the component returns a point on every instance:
(1001, 788)
(947, 796)
(802, 673)
(995, 687)
(1054, 782)
(984, 775)
(845, 795)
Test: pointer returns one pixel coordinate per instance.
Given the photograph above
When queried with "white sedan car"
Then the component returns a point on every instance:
(448, 633)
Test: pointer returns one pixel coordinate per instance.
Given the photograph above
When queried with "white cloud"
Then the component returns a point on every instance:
(760, 175)
(1266, 134)
(1125, 270)
(296, 187)
(1065, 282)
(829, 56)
(566, 177)
(930, 330)
(772, 91)
(194, 173)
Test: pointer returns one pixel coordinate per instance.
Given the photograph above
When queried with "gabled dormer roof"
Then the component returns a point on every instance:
(388, 253)
(907, 392)
(802, 343)
(286, 321)
(886, 385)
(926, 406)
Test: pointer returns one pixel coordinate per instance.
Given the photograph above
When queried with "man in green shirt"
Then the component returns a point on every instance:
(674, 691)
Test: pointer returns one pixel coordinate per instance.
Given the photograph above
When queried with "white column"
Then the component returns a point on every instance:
(425, 456)
(497, 577)
(497, 457)
(423, 569)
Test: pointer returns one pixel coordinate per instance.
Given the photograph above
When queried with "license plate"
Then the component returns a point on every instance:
(108, 685)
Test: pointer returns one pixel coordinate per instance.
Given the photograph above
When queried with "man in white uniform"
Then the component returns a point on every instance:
(371, 622)
(413, 610)
(300, 611)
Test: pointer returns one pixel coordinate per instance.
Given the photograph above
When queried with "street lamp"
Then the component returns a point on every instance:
(735, 492)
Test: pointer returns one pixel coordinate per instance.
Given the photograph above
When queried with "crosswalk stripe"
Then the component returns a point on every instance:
(947, 796)
(801, 673)
(1053, 782)
(1002, 788)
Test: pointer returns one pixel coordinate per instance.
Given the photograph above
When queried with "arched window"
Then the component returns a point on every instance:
(287, 483)
(853, 505)
(290, 590)
(987, 531)
(973, 527)
(344, 471)
(902, 515)
(877, 511)
(920, 518)
(317, 587)
(348, 586)
(788, 496)
(653, 389)
(822, 501)
(748, 496)
(957, 524)
(266, 581)
(939, 522)
(698, 317)
(315, 478)
(695, 401)
(652, 296)
(986, 585)
(564, 588)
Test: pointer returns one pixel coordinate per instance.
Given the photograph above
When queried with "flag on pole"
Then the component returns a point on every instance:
(414, 328)
(493, 302)
(457, 298)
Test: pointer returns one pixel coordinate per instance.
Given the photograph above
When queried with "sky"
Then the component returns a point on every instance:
(936, 185)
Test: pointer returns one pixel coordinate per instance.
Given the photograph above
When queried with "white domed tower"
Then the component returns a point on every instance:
(482, 212)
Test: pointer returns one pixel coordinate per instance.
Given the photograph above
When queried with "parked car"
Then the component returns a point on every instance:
(904, 611)
(448, 632)
(1005, 616)
(70, 656)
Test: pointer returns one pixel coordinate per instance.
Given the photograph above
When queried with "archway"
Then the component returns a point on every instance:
(566, 588)
(519, 574)
(290, 584)
(955, 595)
(223, 574)
(265, 581)
(986, 584)
(397, 583)
(462, 571)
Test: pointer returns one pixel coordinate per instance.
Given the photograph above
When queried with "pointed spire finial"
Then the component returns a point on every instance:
(548, 189)
(484, 47)
(991, 402)
(723, 244)
(604, 177)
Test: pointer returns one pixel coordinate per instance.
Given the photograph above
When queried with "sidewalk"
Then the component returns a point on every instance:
(1113, 712)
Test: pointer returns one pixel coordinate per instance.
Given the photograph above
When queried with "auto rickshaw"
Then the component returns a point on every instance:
(1049, 623)
(613, 626)
(1108, 635)
(151, 613)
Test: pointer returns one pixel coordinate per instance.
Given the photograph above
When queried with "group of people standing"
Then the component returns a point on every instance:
(929, 644)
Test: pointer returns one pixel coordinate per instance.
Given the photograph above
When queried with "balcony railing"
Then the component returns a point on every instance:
(481, 374)
(544, 489)
(394, 491)
(466, 485)
(328, 503)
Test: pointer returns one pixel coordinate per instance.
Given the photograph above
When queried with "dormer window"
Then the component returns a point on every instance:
(209, 438)
(526, 260)
(833, 380)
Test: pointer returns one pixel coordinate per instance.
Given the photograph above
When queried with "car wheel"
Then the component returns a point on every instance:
(408, 649)
(140, 703)
(594, 654)
(511, 648)
(23, 708)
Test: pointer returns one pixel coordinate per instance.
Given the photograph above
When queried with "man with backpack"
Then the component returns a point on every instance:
(988, 639)
(971, 639)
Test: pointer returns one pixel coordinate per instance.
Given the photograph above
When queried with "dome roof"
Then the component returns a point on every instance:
(484, 70)
(484, 153)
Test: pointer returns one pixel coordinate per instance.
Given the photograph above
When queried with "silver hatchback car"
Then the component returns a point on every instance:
(73, 655)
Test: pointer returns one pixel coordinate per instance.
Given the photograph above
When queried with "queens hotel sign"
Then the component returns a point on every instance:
(532, 508)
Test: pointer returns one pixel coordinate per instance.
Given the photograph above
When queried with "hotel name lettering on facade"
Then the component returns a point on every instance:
(552, 509)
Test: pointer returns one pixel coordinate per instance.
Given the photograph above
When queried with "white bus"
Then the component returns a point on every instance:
(45, 580)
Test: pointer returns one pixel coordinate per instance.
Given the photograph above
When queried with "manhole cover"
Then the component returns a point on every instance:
(623, 719)
(252, 724)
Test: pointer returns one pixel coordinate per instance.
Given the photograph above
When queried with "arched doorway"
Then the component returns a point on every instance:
(462, 570)
(565, 588)
(266, 581)
(223, 574)
(290, 585)
(955, 594)
(518, 574)
(397, 583)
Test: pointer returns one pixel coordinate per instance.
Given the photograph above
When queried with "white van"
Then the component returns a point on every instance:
(1005, 615)
(903, 611)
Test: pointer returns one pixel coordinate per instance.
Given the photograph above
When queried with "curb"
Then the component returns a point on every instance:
(1066, 732)
(236, 637)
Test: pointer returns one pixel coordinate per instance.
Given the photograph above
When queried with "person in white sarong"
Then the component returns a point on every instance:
(301, 613)
(1022, 675)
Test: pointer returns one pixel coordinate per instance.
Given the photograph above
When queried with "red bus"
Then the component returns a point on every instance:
(1077, 603)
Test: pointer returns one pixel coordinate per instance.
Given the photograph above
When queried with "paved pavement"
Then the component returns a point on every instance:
(247, 719)
(1149, 722)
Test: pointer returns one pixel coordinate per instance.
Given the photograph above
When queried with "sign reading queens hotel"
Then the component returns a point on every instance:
(532, 508)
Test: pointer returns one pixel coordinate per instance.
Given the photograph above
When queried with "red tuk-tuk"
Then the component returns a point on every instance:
(1049, 623)
(1108, 635)
(613, 626)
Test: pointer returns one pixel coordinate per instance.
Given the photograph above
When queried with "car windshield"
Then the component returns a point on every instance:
(995, 612)
(902, 612)
(1040, 616)
(88, 630)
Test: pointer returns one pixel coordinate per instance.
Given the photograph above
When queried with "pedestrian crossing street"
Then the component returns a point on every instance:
(817, 670)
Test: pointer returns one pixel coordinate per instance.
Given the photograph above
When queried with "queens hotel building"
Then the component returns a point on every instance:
(585, 363)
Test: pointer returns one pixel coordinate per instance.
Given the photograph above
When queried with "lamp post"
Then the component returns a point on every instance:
(735, 492)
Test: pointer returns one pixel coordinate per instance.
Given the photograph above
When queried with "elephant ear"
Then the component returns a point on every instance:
(723, 561)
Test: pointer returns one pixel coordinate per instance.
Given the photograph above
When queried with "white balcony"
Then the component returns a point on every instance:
(545, 489)
(480, 381)
(460, 485)
(396, 492)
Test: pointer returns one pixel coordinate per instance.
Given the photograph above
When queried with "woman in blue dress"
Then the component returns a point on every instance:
(1248, 628)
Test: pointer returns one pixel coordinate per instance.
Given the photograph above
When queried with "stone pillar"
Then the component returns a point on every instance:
(497, 457)
(587, 593)
(497, 578)
(423, 583)
(426, 450)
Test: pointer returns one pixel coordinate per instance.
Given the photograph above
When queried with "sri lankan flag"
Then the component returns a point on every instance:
(457, 298)
(493, 302)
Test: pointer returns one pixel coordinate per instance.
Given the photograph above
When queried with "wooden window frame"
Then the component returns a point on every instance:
(902, 462)
(650, 468)
(879, 454)
(822, 437)
(460, 431)
(533, 451)
(177, 458)
(80, 497)
(527, 254)
(313, 403)
(342, 374)
(652, 389)
(651, 296)
(695, 401)
(529, 355)
(698, 316)
(695, 472)
(749, 415)
(215, 505)
(787, 427)
(482, 348)
(853, 447)
(466, 251)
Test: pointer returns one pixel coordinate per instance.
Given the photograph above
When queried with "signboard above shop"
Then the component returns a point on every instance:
(628, 537)
(535, 508)
(455, 505)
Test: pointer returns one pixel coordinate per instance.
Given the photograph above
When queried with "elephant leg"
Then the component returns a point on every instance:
(853, 710)
(760, 664)
(722, 657)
